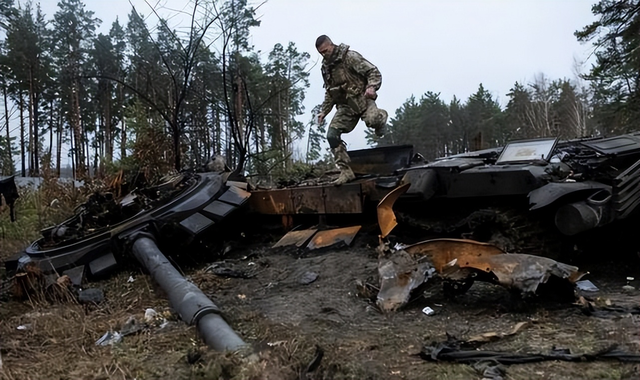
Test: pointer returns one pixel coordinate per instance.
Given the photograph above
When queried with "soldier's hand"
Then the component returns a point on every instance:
(321, 118)
(370, 93)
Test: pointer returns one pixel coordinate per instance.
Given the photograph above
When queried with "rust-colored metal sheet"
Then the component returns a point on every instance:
(328, 238)
(273, 202)
(345, 199)
(297, 238)
(454, 258)
(386, 216)
(467, 253)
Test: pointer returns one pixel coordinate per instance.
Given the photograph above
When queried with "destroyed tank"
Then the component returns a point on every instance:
(528, 195)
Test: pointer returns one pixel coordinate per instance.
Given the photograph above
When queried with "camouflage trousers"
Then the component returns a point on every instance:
(346, 119)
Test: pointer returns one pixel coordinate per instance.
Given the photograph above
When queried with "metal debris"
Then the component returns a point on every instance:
(150, 315)
(346, 199)
(386, 216)
(457, 260)
(465, 352)
(399, 275)
(131, 326)
(297, 238)
(526, 272)
(445, 253)
(76, 275)
(385, 160)
(461, 262)
(225, 269)
(315, 239)
(328, 238)
(428, 311)
(586, 286)
(489, 370)
(109, 338)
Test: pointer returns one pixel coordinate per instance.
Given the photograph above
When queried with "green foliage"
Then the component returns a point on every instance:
(543, 108)
(299, 172)
(203, 90)
(615, 75)
(73, 32)
(6, 162)
(152, 147)
(424, 124)
(315, 136)
(26, 66)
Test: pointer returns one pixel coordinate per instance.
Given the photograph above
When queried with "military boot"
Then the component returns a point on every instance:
(342, 160)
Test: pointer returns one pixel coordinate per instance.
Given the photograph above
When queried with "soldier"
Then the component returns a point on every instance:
(350, 82)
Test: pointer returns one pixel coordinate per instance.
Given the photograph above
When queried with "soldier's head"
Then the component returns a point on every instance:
(325, 46)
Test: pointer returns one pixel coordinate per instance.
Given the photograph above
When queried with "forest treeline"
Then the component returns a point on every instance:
(159, 98)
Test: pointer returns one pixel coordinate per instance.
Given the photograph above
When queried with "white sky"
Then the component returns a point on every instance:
(443, 46)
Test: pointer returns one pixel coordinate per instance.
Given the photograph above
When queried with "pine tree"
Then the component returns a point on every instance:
(615, 76)
(73, 31)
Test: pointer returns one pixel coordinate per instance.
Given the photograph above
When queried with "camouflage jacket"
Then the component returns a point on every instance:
(346, 75)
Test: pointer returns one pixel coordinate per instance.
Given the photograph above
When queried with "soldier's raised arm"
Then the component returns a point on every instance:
(366, 69)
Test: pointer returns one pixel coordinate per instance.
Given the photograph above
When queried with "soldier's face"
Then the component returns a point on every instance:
(326, 49)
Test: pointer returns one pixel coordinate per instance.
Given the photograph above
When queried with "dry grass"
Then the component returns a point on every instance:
(58, 341)
(51, 203)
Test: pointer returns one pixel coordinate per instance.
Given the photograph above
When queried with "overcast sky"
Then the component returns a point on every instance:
(443, 46)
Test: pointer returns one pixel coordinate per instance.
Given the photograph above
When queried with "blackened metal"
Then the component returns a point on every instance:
(76, 275)
(551, 192)
(460, 352)
(235, 196)
(103, 264)
(627, 191)
(75, 243)
(382, 160)
(196, 223)
(219, 210)
(345, 199)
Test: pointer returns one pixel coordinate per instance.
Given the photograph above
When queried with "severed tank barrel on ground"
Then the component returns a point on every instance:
(193, 306)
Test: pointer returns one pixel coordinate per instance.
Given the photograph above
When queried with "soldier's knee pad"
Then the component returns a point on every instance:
(333, 137)
(376, 118)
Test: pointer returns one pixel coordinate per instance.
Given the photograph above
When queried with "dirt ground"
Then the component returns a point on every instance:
(286, 320)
